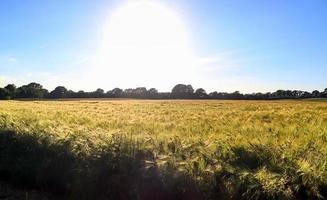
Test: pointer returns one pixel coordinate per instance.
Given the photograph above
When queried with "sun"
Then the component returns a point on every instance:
(145, 43)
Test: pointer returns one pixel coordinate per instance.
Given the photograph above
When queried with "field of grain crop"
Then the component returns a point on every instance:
(139, 149)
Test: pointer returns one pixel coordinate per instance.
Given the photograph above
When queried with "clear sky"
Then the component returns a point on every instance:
(222, 45)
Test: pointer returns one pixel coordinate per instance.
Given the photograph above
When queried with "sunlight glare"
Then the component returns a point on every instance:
(145, 44)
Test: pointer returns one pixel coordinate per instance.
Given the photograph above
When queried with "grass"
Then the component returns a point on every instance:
(316, 99)
(139, 149)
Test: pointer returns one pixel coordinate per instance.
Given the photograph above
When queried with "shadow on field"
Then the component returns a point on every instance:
(258, 156)
(280, 178)
(121, 171)
(30, 162)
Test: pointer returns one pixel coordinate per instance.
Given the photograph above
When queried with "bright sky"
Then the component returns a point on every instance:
(223, 45)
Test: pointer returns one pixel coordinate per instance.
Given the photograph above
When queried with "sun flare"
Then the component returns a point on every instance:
(145, 43)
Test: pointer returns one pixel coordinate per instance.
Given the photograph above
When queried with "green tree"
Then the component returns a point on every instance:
(152, 93)
(32, 90)
(98, 93)
(59, 92)
(116, 92)
(11, 88)
(181, 91)
(315, 94)
(4, 93)
(200, 93)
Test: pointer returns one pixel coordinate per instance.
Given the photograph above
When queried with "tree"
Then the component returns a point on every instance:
(306, 95)
(164, 95)
(11, 88)
(140, 92)
(181, 91)
(116, 92)
(236, 95)
(98, 93)
(4, 93)
(324, 93)
(79, 94)
(70, 94)
(128, 93)
(297, 93)
(201, 93)
(32, 90)
(280, 94)
(59, 92)
(152, 93)
(315, 94)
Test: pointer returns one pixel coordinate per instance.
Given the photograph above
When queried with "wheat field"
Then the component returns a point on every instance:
(181, 149)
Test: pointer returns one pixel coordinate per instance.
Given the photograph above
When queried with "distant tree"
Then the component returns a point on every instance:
(220, 95)
(285, 94)
(70, 94)
(79, 94)
(98, 93)
(324, 93)
(258, 95)
(59, 92)
(213, 95)
(297, 94)
(128, 93)
(11, 88)
(200, 93)
(4, 93)
(116, 92)
(181, 91)
(315, 94)
(32, 90)
(140, 92)
(22, 92)
(109, 94)
(236, 95)
(164, 95)
(152, 93)
(306, 95)
(279, 94)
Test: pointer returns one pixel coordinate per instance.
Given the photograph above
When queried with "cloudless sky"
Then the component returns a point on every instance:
(254, 45)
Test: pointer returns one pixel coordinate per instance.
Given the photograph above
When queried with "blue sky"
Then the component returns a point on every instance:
(248, 46)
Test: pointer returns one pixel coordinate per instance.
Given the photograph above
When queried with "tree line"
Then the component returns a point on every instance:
(180, 91)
